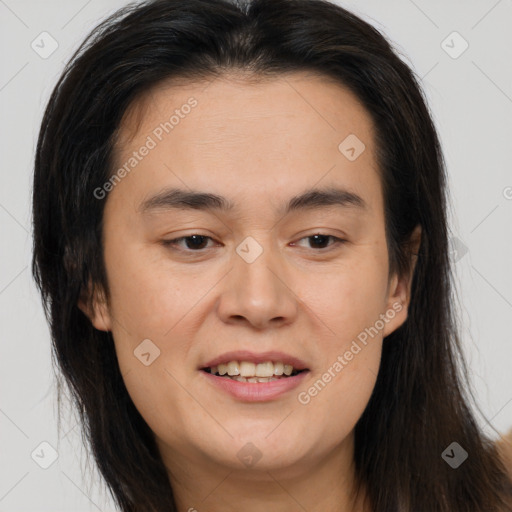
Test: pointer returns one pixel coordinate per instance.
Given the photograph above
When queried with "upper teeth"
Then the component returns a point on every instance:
(246, 369)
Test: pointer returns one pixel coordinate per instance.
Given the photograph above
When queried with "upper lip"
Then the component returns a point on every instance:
(253, 357)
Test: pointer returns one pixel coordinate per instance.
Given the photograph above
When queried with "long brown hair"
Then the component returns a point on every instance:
(420, 404)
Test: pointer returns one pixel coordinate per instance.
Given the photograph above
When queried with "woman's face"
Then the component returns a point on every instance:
(254, 285)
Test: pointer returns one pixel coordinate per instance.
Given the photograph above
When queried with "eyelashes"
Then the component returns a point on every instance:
(197, 242)
(175, 242)
(337, 241)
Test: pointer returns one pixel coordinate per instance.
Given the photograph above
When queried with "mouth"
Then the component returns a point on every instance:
(251, 377)
(254, 382)
(248, 371)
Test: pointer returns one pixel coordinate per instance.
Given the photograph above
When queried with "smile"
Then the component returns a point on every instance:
(246, 371)
(254, 382)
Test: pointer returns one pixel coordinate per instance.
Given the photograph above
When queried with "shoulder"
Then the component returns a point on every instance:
(504, 446)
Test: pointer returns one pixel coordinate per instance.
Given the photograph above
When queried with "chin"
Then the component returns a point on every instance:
(263, 449)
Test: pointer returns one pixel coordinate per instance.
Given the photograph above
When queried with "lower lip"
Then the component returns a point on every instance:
(256, 391)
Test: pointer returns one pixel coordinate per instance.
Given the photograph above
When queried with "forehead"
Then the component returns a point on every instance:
(277, 136)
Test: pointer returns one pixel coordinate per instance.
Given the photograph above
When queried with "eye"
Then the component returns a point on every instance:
(194, 243)
(321, 239)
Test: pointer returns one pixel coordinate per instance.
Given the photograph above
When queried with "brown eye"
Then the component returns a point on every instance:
(194, 243)
(322, 240)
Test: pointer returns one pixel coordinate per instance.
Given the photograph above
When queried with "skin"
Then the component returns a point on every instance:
(258, 144)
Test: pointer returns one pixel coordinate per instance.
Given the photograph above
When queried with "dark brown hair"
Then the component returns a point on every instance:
(421, 402)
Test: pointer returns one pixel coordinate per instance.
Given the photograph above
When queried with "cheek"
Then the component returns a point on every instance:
(149, 311)
(149, 298)
(340, 389)
(351, 299)
(337, 403)
(349, 306)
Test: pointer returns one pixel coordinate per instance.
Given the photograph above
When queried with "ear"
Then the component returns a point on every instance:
(399, 289)
(96, 310)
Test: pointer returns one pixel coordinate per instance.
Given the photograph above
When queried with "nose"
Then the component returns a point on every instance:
(259, 293)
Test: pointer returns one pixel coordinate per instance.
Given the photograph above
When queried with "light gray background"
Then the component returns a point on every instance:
(471, 100)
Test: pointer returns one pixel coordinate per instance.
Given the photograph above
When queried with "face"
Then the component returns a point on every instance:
(273, 273)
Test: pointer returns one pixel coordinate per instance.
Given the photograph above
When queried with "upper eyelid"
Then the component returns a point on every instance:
(174, 241)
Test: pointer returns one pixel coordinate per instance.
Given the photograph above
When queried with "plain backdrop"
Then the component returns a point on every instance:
(470, 94)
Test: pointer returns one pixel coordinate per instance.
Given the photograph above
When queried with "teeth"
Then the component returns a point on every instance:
(265, 369)
(245, 371)
(233, 368)
(254, 379)
(278, 368)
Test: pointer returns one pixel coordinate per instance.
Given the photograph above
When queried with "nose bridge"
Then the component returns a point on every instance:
(257, 290)
(257, 269)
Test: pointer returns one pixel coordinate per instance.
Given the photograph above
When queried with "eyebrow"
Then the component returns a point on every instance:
(312, 199)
